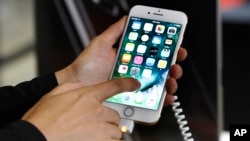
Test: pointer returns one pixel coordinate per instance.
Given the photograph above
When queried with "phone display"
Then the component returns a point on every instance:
(148, 48)
(146, 54)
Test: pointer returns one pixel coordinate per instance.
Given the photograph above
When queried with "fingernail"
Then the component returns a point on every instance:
(138, 83)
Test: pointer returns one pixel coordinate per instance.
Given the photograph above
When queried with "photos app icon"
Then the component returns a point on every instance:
(160, 29)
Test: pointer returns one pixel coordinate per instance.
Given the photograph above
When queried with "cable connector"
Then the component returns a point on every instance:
(126, 125)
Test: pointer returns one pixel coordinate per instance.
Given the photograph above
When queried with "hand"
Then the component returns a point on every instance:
(95, 63)
(75, 113)
(176, 73)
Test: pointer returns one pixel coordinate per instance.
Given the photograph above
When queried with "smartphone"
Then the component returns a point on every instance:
(147, 50)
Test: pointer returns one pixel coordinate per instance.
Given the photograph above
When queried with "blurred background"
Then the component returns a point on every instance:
(41, 36)
(17, 37)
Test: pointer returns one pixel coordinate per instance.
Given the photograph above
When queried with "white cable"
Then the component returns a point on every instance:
(183, 124)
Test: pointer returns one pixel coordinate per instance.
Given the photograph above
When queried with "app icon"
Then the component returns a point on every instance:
(135, 71)
(160, 29)
(168, 42)
(165, 52)
(133, 36)
(129, 46)
(150, 62)
(123, 69)
(136, 25)
(156, 40)
(146, 73)
(162, 64)
(172, 30)
(126, 58)
(144, 37)
(139, 99)
(138, 60)
(126, 98)
(153, 51)
(141, 48)
(148, 27)
(151, 101)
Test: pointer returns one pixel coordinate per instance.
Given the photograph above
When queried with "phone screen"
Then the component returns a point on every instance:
(146, 54)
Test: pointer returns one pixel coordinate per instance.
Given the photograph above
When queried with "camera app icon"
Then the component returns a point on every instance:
(172, 30)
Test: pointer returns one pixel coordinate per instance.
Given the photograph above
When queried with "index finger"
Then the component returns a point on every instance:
(112, 87)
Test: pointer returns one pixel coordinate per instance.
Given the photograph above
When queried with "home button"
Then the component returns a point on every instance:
(128, 112)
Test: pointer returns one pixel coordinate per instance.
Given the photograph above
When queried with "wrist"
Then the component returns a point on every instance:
(65, 75)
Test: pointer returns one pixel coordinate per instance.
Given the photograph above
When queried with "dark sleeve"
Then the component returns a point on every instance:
(16, 100)
(21, 131)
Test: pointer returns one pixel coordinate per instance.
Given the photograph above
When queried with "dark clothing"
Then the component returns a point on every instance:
(21, 131)
(15, 101)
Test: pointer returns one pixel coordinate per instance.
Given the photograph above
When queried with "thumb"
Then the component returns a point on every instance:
(114, 31)
(115, 86)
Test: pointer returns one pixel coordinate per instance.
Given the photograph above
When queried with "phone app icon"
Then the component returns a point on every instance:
(172, 30)
(139, 99)
(133, 36)
(141, 48)
(150, 62)
(145, 37)
(126, 58)
(160, 29)
(129, 46)
(151, 101)
(146, 73)
(162, 64)
(153, 51)
(123, 69)
(136, 25)
(165, 52)
(156, 40)
(138, 60)
(135, 71)
(148, 27)
(168, 42)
